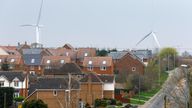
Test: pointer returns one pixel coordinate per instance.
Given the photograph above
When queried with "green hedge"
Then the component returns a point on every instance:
(8, 91)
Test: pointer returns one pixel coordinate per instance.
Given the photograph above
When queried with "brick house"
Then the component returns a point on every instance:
(54, 61)
(100, 65)
(96, 87)
(64, 71)
(15, 62)
(17, 80)
(55, 92)
(125, 61)
(64, 52)
(144, 55)
(84, 52)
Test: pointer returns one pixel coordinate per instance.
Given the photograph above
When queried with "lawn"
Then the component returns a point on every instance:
(146, 95)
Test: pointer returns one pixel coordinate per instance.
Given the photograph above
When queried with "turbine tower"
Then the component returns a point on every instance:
(154, 37)
(36, 26)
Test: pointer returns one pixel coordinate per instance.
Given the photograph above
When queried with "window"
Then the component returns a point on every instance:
(32, 60)
(32, 72)
(104, 62)
(90, 67)
(103, 68)
(1, 83)
(133, 69)
(12, 60)
(48, 67)
(62, 61)
(67, 53)
(86, 54)
(90, 62)
(0, 60)
(48, 61)
(16, 94)
(54, 92)
(39, 67)
(16, 83)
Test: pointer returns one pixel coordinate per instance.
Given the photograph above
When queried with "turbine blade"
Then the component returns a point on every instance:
(143, 38)
(39, 16)
(28, 25)
(156, 40)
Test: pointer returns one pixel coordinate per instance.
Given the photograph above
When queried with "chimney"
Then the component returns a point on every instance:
(19, 44)
(25, 42)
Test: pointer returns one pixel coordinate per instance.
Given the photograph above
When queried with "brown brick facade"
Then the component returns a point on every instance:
(57, 101)
(129, 64)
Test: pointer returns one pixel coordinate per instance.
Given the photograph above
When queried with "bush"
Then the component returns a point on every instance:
(34, 104)
(9, 96)
(19, 99)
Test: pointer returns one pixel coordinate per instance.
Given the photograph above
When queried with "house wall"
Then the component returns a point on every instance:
(90, 92)
(109, 70)
(126, 64)
(37, 69)
(109, 94)
(6, 82)
(59, 101)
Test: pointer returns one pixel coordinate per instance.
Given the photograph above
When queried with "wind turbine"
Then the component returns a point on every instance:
(154, 37)
(36, 26)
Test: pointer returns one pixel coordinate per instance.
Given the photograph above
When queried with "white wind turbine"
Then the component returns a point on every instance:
(36, 26)
(154, 37)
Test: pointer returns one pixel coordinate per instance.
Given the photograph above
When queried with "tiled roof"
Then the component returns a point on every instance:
(107, 78)
(63, 52)
(91, 77)
(142, 53)
(56, 60)
(68, 46)
(64, 70)
(32, 59)
(11, 59)
(32, 51)
(117, 55)
(97, 61)
(11, 75)
(53, 83)
(86, 52)
(3, 52)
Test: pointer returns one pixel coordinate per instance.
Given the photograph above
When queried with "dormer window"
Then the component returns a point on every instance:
(86, 54)
(104, 62)
(12, 60)
(62, 61)
(32, 60)
(67, 53)
(16, 83)
(90, 62)
(48, 61)
(103, 68)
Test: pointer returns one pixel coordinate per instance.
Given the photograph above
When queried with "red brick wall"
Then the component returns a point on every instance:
(109, 70)
(126, 63)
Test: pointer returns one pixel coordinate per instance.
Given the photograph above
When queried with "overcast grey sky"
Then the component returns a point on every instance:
(98, 23)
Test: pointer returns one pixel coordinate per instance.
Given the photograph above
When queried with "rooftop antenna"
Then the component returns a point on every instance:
(36, 26)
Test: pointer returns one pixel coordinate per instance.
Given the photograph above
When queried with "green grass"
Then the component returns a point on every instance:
(136, 102)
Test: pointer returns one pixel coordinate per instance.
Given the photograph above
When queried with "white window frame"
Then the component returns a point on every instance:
(32, 72)
(0, 60)
(103, 68)
(133, 69)
(33, 60)
(2, 83)
(48, 61)
(16, 94)
(90, 68)
(62, 61)
(54, 92)
(12, 60)
(16, 83)
(85, 54)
